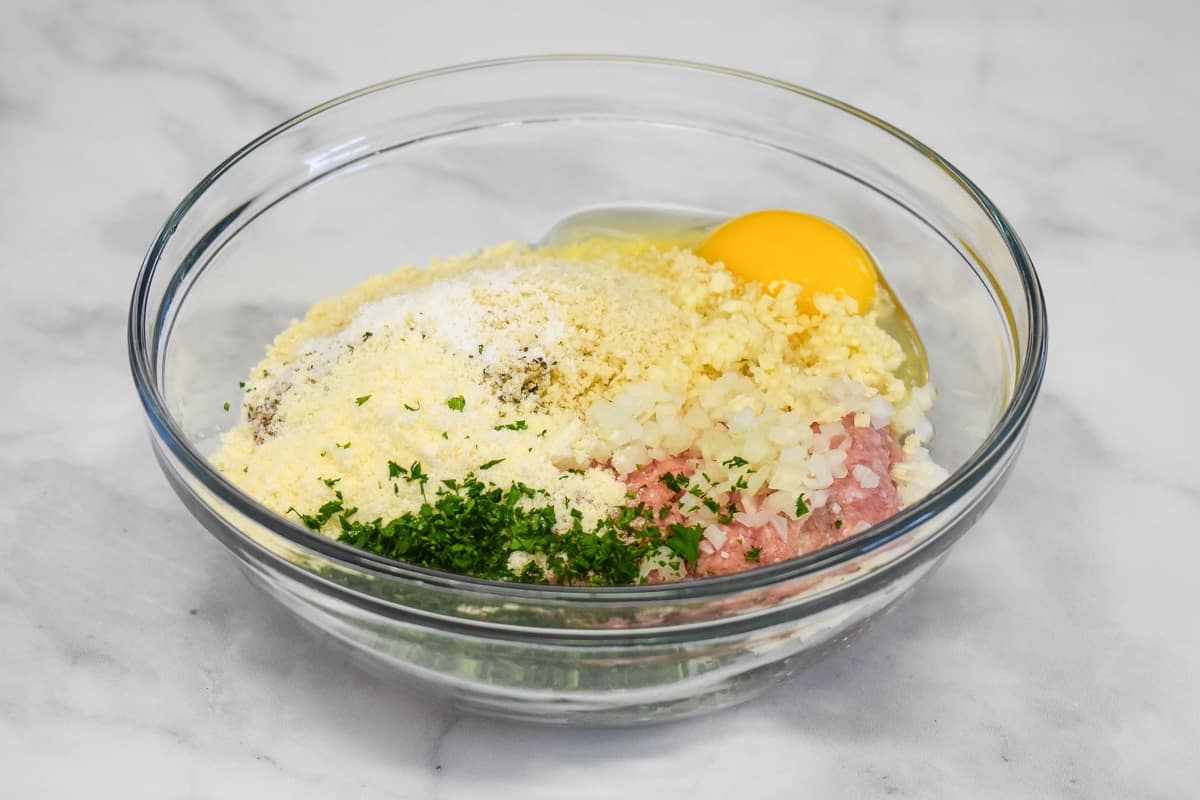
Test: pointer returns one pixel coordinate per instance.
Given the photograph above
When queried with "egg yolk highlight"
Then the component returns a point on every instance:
(769, 246)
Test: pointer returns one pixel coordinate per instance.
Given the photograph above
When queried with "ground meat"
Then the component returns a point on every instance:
(855, 506)
(656, 494)
(851, 507)
(767, 542)
(653, 492)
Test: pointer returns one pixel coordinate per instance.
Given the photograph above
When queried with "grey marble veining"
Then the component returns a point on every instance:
(1055, 654)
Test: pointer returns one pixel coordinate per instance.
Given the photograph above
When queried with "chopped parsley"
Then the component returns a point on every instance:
(410, 473)
(345, 446)
(676, 483)
(472, 526)
(735, 462)
(837, 524)
(227, 406)
(685, 541)
(519, 425)
(417, 407)
(360, 400)
(753, 553)
(324, 513)
(490, 464)
(457, 403)
(801, 506)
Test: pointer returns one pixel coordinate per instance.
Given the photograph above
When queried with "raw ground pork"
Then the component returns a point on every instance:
(857, 508)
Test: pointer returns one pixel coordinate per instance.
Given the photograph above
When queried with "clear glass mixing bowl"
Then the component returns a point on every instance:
(452, 160)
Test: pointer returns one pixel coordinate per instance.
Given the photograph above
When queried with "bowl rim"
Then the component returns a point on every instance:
(1004, 436)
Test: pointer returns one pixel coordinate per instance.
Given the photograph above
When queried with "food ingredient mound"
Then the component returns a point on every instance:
(599, 413)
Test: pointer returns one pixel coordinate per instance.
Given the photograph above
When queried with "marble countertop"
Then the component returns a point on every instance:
(1056, 652)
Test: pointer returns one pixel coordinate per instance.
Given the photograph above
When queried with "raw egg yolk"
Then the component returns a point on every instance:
(769, 246)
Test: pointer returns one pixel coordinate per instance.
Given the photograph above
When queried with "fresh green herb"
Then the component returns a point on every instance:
(411, 474)
(324, 513)
(227, 406)
(417, 407)
(542, 434)
(801, 506)
(480, 349)
(519, 425)
(735, 462)
(363, 399)
(753, 553)
(241, 384)
(837, 524)
(490, 464)
(445, 436)
(675, 482)
(457, 403)
(473, 527)
(685, 541)
(711, 505)
(330, 482)
(741, 483)
(345, 446)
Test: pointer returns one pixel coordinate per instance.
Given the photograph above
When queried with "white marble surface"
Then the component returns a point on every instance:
(1055, 654)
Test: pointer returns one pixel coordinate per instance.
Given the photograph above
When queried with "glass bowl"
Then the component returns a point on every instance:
(455, 159)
